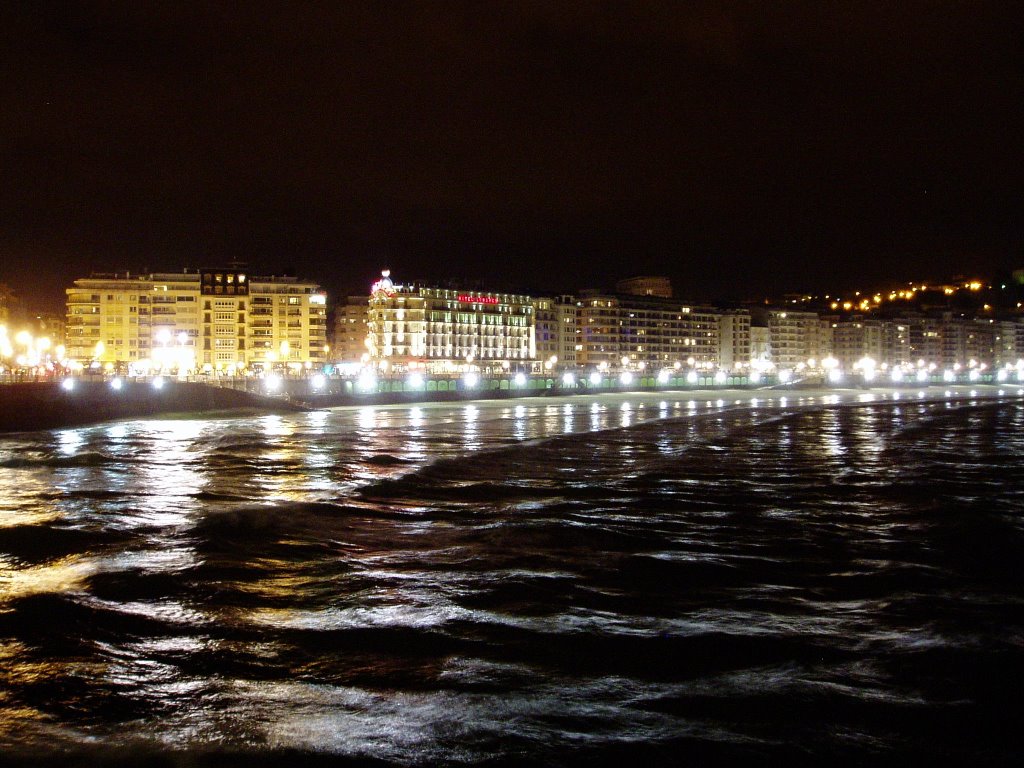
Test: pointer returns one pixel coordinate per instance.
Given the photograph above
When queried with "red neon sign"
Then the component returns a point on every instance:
(478, 299)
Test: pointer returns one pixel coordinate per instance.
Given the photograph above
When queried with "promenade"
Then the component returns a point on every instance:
(55, 403)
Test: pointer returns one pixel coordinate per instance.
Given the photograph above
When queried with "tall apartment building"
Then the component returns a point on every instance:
(548, 332)
(642, 329)
(1008, 342)
(760, 347)
(568, 313)
(211, 320)
(794, 338)
(410, 325)
(297, 331)
(351, 329)
(736, 352)
(855, 338)
(119, 318)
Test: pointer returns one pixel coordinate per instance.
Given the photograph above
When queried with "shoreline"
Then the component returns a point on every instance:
(35, 406)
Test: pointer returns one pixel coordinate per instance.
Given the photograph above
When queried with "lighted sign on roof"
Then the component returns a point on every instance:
(478, 299)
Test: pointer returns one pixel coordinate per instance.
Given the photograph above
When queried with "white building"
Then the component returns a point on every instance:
(416, 326)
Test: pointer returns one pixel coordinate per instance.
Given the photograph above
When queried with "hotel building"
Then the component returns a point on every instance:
(416, 326)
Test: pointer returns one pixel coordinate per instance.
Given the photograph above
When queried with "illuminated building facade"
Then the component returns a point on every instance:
(648, 330)
(350, 330)
(210, 321)
(735, 353)
(288, 323)
(410, 325)
(794, 338)
(855, 339)
(120, 318)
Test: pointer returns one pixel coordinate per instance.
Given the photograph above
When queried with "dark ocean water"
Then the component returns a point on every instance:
(647, 579)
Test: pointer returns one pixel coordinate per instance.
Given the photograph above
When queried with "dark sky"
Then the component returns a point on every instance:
(741, 148)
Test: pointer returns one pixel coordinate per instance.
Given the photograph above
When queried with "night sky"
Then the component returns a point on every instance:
(741, 148)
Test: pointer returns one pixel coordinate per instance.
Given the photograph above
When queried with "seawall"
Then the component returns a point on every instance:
(48, 405)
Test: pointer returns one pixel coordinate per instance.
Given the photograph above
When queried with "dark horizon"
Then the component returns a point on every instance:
(738, 149)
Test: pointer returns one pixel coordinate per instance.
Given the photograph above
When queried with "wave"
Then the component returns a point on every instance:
(87, 459)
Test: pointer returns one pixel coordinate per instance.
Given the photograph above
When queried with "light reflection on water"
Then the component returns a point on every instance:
(463, 582)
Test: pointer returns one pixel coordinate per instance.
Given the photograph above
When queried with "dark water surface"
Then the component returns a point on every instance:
(661, 579)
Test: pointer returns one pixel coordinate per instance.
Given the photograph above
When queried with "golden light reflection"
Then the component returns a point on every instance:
(65, 575)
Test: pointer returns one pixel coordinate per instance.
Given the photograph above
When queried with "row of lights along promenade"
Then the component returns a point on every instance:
(96, 397)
